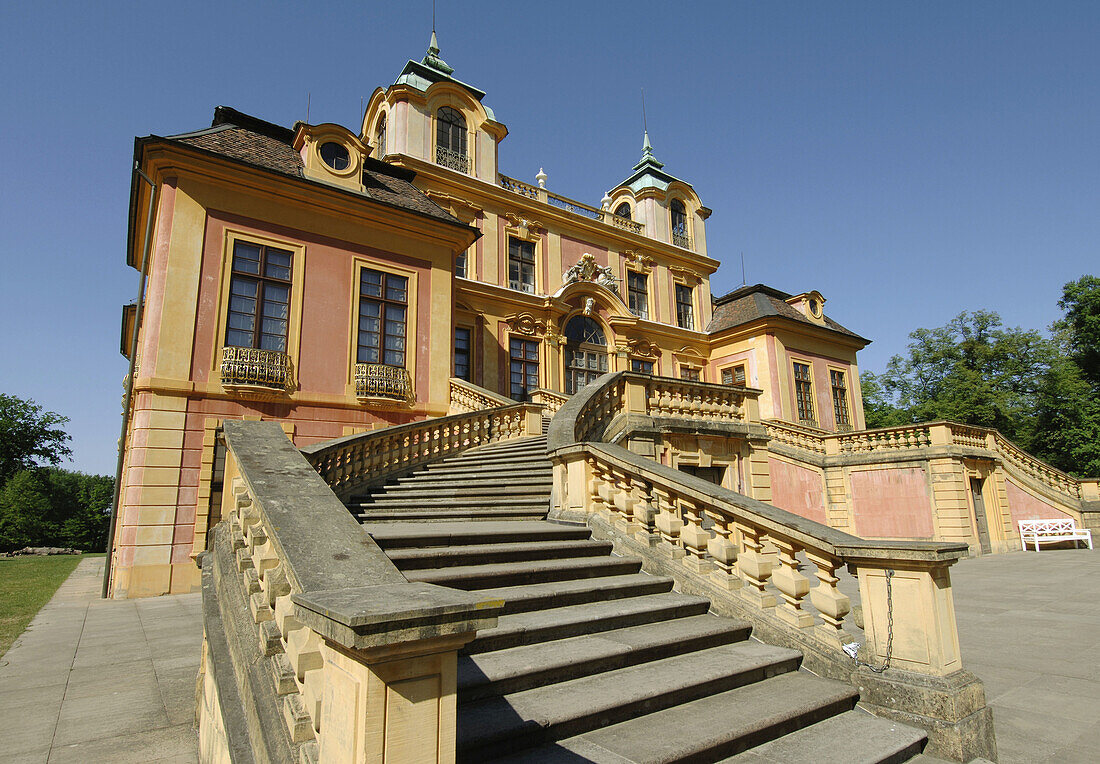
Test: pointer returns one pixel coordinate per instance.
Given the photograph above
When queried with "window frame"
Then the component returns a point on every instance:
(469, 352)
(262, 282)
(412, 296)
(801, 400)
(634, 361)
(693, 373)
(384, 301)
(525, 343)
(294, 319)
(678, 289)
(844, 410)
(733, 375)
(631, 293)
(381, 128)
(522, 242)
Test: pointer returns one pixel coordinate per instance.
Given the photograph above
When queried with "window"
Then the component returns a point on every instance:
(585, 353)
(335, 155)
(521, 265)
(383, 308)
(462, 353)
(645, 367)
(690, 373)
(450, 139)
(380, 138)
(685, 317)
(523, 367)
(623, 210)
(840, 400)
(637, 290)
(735, 375)
(804, 394)
(460, 264)
(259, 297)
(678, 218)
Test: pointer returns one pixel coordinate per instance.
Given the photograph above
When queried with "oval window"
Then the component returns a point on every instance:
(335, 155)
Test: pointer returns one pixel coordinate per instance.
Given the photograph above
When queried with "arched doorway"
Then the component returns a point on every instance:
(585, 353)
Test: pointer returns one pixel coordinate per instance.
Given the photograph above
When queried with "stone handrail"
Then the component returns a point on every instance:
(795, 436)
(888, 439)
(354, 462)
(1038, 470)
(549, 399)
(466, 397)
(326, 607)
(517, 186)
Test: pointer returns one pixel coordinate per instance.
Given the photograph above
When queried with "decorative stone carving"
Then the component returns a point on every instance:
(586, 269)
(589, 306)
(525, 323)
(643, 348)
(638, 262)
(685, 275)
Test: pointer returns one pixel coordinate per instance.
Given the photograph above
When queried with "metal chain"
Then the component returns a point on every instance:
(889, 627)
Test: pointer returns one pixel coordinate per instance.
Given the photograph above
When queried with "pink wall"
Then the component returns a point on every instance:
(1023, 506)
(797, 489)
(572, 249)
(891, 503)
(773, 367)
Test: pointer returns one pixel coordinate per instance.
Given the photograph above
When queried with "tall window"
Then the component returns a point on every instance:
(259, 297)
(678, 218)
(685, 316)
(735, 375)
(523, 367)
(450, 139)
(840, 400)
(637, 294)
(380, 137)
(462, 353)
(585, 353)
(383, 309)
(645, 367)
(804, 393)
(521, 265)
(623, 210)
(460, 265)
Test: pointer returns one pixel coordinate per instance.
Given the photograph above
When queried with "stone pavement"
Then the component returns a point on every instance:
(1029, 626)
(95, 680)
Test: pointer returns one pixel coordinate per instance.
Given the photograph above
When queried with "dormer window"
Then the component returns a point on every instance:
(380, 137)
(623, 211)
(678, 219)
(335, 155)
(450, 141)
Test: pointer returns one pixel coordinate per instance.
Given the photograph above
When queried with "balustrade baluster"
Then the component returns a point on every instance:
(724, 552)
(597, 488)
(644, 511)
(694, 537)
(754, 566)
(668, 520)
(793, 586)
(829, 601)
(622, 500)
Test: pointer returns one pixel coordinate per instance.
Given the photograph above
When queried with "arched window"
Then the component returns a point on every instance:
(450, 139)
(678, 216)
(380, 137)
(585, 353)
(623, 210)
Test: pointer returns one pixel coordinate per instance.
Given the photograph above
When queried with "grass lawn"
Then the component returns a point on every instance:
(26, 584)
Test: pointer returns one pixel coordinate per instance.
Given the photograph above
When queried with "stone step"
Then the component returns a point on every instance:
(484, 554)
(479, 476)
(456, 488)
(507, 723)
(496, 460)
(452, 514)
(537, 626)
(526, 599)
(526, 572)
(444, 502)
(398, 535)
(523, 668)
(854, 736)
(509, 446)
(705, 729)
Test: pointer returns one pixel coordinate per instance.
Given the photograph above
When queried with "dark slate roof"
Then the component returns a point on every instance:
(750, 303)
(268, 146)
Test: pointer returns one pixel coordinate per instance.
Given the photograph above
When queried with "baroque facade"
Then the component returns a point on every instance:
(338, 281)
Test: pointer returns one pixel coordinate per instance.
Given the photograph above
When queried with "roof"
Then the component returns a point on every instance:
(421, 75)
(265, 145)
(649, 173)
(750, 303)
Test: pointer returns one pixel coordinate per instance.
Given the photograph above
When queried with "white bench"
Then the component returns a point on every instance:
(1052, 530)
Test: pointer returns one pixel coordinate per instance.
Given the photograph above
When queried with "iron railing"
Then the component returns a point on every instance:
(376, 380)
(256, 367)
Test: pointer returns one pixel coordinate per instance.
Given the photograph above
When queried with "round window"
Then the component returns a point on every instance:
(335, 156)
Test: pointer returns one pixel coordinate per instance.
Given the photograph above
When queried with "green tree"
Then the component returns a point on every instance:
(29, 436)
(878, 411)
(975, 371)
(25, 512)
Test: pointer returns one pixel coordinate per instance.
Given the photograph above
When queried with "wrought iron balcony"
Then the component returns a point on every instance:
(452, 159)
(376, 380)
(681, 240)
(253, 367)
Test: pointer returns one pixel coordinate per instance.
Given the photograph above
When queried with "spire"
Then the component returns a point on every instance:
(647, 154)
(432, 58)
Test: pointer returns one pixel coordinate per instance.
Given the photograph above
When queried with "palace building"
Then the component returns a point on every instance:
(342, 280)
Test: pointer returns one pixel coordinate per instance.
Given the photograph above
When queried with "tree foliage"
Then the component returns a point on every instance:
(1043, 393)
(29, 436)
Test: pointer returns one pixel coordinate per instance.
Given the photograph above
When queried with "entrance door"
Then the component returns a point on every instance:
(585, 353)
(979, 514)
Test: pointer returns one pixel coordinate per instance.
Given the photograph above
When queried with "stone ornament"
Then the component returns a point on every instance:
(586, 269)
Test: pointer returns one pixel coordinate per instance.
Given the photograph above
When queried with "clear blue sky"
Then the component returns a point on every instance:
(908, 160)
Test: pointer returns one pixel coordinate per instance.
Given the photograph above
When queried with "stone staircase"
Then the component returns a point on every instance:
(592, 659)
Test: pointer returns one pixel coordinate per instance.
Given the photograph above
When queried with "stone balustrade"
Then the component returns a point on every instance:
(795, 436)
(550, 400)
(466, 397)
(353, 462)
(667, 397)
(889, 439)
(317, 647)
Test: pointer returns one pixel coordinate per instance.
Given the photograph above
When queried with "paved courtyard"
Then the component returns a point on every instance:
(95, 680)
(114, 681)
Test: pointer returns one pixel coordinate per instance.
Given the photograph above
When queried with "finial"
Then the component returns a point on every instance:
(433, 60)
(605, 203)
(541, 178)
